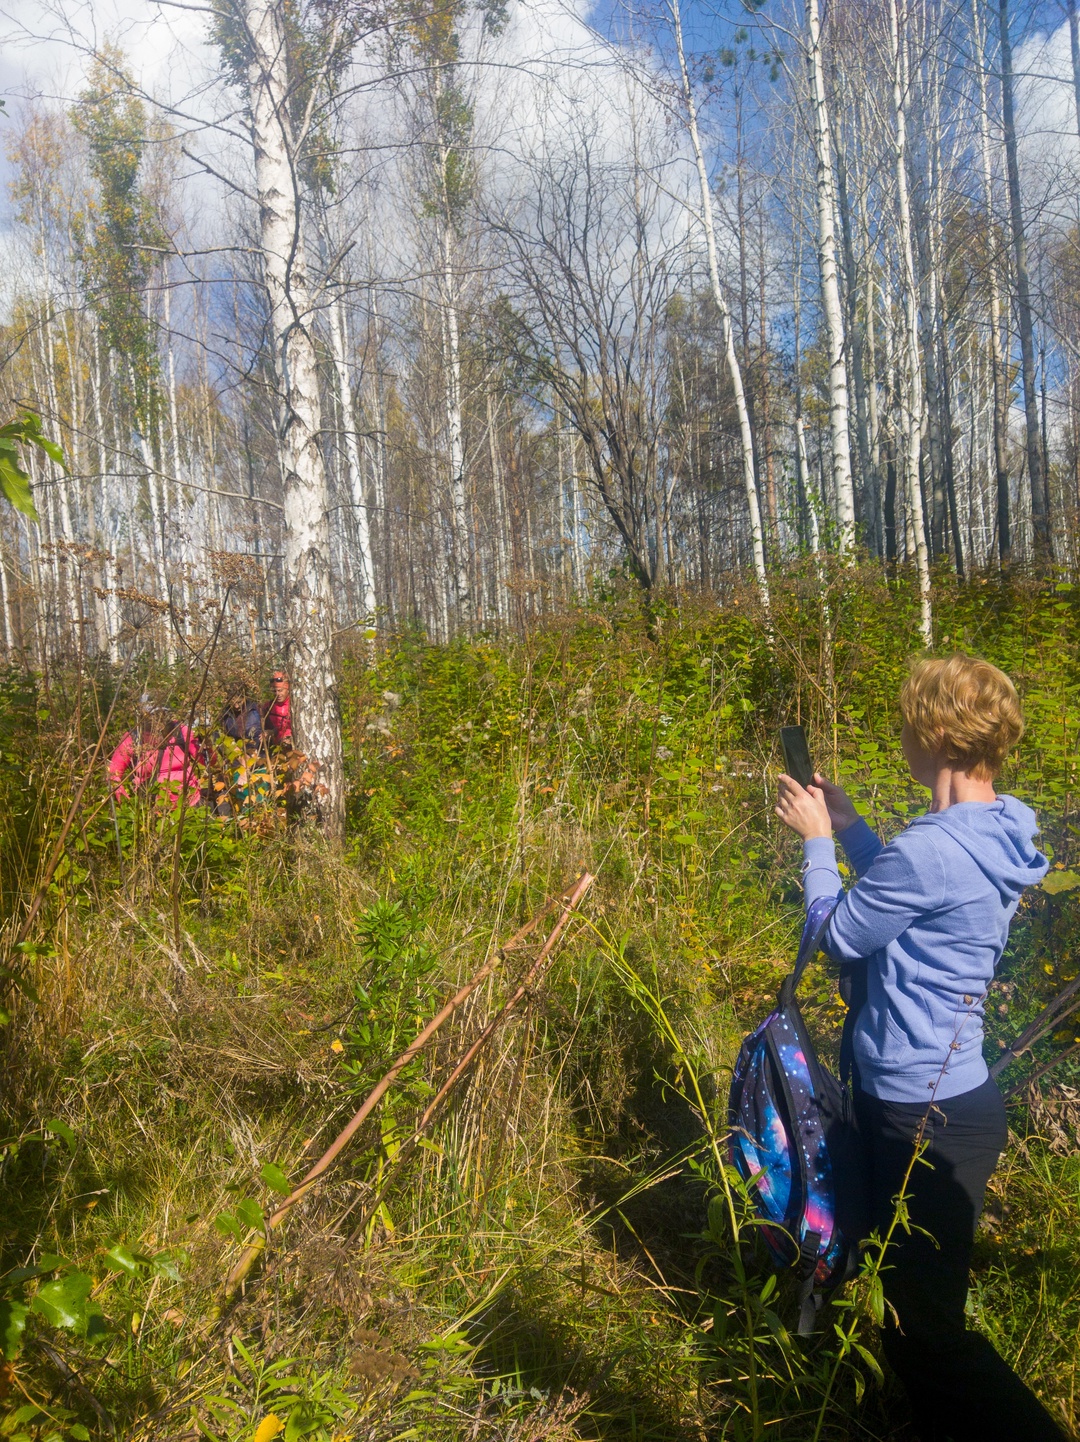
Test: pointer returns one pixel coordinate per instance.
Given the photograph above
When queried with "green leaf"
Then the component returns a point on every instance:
(79, 1432)
(251, 1214)
(95, 1329)
(63, 1302)
(228, 1226)
(167, 1264)
(27, 431)
(48, 1263)
(26, 1413)
(64, 1132)
(1057, 881)
(15, 483)
(871, 1361)
(13, 1315)
(121, 1260)
(302, 1421)
(275, 1178)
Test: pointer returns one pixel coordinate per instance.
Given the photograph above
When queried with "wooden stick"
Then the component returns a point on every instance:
(1052, 1014)
(1040, 1072)
(532, 976)
(249, 1256)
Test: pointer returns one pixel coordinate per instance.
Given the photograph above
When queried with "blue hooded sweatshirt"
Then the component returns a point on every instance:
(930, 915)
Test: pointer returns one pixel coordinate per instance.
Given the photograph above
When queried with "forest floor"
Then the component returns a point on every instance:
(555, 1259)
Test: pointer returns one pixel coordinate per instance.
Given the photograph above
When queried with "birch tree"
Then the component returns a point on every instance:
(746, 437)
(1040, 501)
(830, 282)
(261, 26)
(997, 358)
(911, 394)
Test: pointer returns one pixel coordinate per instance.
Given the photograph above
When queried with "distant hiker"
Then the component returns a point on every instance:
(277, 713)
(247, 781)
(242, 719)
(157, 751)
(930, 916)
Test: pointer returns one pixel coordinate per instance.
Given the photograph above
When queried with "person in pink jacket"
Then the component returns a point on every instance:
(162, 752)
(277, 713)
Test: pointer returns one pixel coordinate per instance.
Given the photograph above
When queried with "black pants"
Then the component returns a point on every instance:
(958, 1385)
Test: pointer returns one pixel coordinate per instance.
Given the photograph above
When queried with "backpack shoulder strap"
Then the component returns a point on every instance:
(853, 990)
(817, 920)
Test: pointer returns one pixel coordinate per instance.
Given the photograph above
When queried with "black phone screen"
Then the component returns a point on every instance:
(797, 761)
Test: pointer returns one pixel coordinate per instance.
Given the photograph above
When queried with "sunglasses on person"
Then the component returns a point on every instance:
(278, 680)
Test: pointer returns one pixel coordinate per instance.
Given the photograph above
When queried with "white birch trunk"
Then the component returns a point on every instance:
(804, 479)
(339, 349)
(830, 285)
(455, 434)
(757, 541)
(174, 444)
(316, 723)
(871, 380)
(52, 479)
(575, 519)
(109, 612)
(502, 564)
(157, 539)
(9, 629)
(379, 460)
(1001, 465)
(35, 583)
(911, 396)
(1074, 51)
(59, 481)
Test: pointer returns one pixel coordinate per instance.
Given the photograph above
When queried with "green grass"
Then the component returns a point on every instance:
(559, 1261)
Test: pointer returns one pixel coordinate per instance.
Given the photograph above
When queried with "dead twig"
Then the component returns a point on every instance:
(239, 1273)
(571, 901)
(1051, 1016)
(1040, 1072)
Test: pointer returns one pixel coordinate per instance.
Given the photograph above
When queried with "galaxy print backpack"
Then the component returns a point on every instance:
(794, 1140)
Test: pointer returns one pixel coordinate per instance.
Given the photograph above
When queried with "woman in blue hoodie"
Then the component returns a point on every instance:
(930, 914)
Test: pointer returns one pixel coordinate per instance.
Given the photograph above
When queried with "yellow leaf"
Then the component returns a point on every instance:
(1058, 881)
(337, 1044)
(269, 1427)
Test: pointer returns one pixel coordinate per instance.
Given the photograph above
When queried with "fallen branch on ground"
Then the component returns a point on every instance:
(1051, 1017)
(253, 1250)
(528, 982)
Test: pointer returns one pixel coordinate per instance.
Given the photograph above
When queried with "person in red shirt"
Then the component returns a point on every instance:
(277, 717)
(159, 751)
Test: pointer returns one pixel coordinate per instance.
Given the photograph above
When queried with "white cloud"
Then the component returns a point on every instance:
(1047, 123)
(46, 47)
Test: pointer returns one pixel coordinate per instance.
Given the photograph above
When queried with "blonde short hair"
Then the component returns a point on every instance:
(964, 709)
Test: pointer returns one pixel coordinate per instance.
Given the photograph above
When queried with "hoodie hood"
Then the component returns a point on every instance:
(998, 836)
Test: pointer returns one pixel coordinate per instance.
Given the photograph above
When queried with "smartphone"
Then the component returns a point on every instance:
(797, 761)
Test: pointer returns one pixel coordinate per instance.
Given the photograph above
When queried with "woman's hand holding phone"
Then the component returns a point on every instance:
(842, 811)
(816, 810)
(803, 808)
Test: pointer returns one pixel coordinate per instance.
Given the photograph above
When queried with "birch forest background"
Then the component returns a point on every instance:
(566, 397)
(683, 299)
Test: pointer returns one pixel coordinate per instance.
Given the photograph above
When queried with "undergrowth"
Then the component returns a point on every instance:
(565, 1253)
